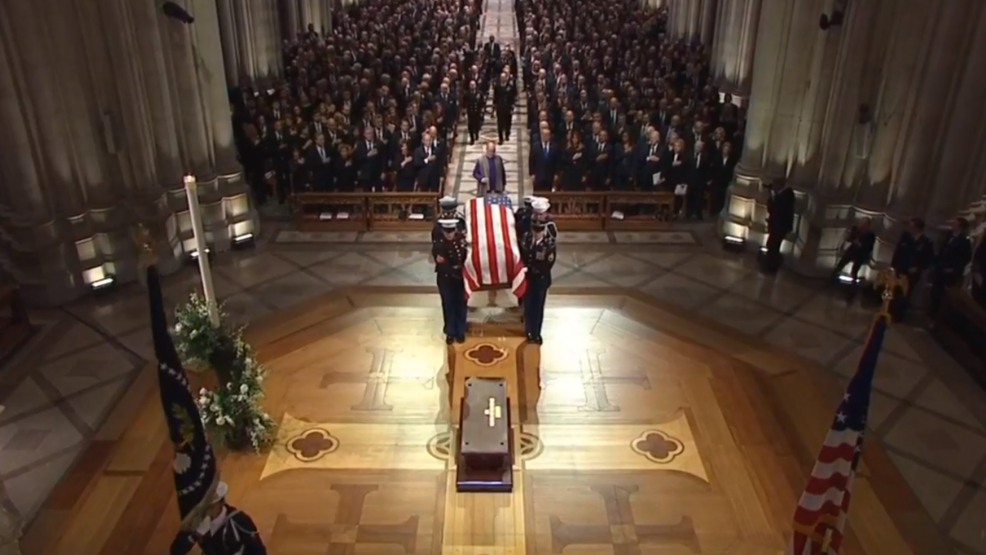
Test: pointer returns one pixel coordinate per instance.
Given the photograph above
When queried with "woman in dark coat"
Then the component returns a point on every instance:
(406, 172)
(573, 163)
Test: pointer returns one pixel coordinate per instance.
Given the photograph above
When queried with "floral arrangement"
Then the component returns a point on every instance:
(231, 413)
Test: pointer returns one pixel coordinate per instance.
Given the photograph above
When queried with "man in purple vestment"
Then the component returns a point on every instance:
(490, 172)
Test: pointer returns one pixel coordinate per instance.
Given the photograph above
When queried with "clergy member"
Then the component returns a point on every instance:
(490, 173)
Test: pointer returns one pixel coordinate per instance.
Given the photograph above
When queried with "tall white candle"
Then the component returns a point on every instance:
(195, 212)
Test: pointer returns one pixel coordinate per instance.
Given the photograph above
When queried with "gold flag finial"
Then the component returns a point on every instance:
(890, 281)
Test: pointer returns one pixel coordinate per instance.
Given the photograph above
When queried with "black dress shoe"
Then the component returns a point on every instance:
(449, 339)
(538, 341)
(460, 339)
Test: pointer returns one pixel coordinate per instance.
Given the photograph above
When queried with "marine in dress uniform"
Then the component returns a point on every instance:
(450, 255)
(522, 217)
(475, 105)
(539, 257)
(539, 208)
(449, 211)
(225, 530)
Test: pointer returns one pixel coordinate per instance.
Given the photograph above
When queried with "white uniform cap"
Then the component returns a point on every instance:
(529, 198)
(448, 223)
(220, 493)
(540, 205)
(448, 201)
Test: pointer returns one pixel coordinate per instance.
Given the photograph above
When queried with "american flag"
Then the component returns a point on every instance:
(494, 254)
(820, 519)
(498, 199)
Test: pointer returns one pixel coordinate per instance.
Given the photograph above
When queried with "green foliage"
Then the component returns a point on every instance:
(232, 413)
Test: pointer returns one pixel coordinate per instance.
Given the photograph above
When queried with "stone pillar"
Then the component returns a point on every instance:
(291, 18)
(944, 140)
(734, 38)
(101, 118)
(250, 40)
(317, 13)
(707, 21)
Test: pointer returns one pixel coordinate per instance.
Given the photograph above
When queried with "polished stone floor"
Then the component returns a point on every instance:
(926, 411)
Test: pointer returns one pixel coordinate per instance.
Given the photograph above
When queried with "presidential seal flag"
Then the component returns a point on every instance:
(194, 466)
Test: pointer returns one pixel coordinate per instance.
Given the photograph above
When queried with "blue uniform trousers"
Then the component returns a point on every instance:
(453, 293)
(534, 300)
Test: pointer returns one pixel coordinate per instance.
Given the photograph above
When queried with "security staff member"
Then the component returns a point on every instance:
(450, 256)
(475, 103)
(914, 254)
(539, 257)
(539, 207)
(953, 256)
(449, 211)
(224, 531)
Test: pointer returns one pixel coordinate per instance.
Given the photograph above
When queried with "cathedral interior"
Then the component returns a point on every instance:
(681, 394)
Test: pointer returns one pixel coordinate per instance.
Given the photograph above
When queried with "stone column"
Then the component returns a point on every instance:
(250, 40)
(956, 58)
(291, 15)
(317, 13)
(707, 20)
(734, 38)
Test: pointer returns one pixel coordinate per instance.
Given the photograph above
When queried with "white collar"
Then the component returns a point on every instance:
(218, 522)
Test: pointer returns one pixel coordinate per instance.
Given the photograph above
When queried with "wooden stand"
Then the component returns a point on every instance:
(485, 454)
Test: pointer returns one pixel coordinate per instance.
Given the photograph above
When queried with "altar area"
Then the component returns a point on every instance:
(636, 430)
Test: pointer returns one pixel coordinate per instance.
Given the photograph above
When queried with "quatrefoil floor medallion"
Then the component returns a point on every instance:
(486, 354)
(312, 444)
(657, 447)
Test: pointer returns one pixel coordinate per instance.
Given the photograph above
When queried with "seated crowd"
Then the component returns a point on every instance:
(371, 106)
(613, 104)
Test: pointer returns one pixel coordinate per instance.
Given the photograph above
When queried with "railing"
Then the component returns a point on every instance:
(573, 211)
(364, 211)
(611, 210)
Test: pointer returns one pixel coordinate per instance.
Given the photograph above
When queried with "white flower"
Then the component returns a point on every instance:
(177, 328)
(182, 462)
(244, 388)
(203, 392)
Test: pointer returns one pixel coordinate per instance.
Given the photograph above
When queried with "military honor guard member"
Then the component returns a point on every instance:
(539, 208)
(223, 531)
(539, 257)
(522, 217)
(448, 210)
(475, 102)
(450, 256)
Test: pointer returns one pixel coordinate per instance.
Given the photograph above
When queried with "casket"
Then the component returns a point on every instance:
(494, 260)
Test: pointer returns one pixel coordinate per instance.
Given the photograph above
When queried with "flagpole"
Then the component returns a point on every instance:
(205, 270)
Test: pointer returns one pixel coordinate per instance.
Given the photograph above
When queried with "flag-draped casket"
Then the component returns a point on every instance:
(494, 260)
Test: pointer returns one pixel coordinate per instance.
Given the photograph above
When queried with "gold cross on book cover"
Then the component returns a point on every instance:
(493, 412)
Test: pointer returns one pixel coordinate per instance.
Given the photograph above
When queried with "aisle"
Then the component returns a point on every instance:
(500, 21)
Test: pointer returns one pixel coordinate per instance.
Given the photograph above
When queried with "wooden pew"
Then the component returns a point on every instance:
(654, 213)
(585, 211)
(319, 211)
(388, 211)
(961, 329)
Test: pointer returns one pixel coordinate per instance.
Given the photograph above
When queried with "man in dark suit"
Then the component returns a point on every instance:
(320, 157)
(369, 162)
(649, 161)
(856, 252)
(427, 162)
(600, 156)
(780, 222)
(491, 56)
(912, 257)
(542, 163)
(701, 174)
(979, 273)
(723, 166)
(954, 255)
(279, 149)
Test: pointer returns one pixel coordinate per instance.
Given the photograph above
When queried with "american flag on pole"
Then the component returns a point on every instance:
(494, 255)
(820, 519)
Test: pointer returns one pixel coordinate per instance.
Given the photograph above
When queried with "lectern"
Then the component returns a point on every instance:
(485, 459)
